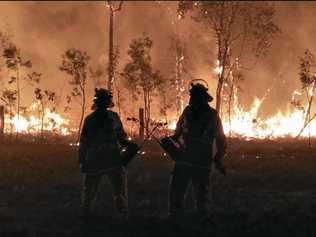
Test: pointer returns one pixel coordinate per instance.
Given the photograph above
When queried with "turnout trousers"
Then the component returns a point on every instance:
(118, 179)
(181, 177)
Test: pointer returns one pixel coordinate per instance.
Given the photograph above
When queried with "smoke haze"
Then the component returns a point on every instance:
(44, 30)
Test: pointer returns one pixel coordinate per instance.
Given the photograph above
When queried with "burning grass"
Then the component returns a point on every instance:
(270, 189)
(35, 122)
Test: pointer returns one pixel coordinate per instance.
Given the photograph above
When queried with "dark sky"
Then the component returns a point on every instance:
(44, 30)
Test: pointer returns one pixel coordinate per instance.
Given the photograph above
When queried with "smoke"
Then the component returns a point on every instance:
(279, 70)
(44, 30)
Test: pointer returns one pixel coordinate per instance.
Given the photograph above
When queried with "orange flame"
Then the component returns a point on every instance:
(248, 123)
(52, 121)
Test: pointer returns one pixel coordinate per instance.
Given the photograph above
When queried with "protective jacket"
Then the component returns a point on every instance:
(196, 130)
(101, 139)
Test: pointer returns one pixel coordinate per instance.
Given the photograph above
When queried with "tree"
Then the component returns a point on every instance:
(111, 69)
(15, 63)
(43, 97)
(98, 72)
(165, 103)
(9, 99)
(119, 99)
(75, 64)
(178, 49)
(230, 89)
(140, 76)
(239, 29)
(307, 77)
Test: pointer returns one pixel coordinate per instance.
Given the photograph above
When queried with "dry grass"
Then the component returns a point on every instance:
(270, 189)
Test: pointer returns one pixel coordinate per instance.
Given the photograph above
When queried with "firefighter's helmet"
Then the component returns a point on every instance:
(200, 90)
(103, 98)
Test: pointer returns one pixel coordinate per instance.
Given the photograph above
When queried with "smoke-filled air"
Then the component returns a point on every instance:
(257, 97)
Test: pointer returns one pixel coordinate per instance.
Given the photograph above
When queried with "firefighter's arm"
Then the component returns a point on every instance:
(83, 143)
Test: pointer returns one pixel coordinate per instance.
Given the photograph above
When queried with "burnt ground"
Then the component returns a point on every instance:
(270, 190)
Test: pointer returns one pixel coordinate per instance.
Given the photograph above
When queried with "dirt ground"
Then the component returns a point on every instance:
(270, 190)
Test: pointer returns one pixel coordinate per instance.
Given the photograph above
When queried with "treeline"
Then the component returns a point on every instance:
(243, 32)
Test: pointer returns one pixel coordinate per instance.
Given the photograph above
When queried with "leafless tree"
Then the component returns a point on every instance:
(111, 69)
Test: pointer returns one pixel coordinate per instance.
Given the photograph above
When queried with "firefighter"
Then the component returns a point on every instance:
(101, 138)
(196, 130)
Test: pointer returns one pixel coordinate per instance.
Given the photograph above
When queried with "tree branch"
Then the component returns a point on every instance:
(119, 7)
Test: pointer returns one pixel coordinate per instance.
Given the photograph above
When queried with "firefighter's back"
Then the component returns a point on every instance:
(199, 130)
(102, 148)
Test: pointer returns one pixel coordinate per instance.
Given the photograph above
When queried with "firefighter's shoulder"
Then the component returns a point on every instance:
(113, 115)
(186, 109)
(90, 117)
(212, 110)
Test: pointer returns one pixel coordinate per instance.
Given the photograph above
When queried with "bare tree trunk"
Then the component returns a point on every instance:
(145, 112)
(308, 117)
(19, 98)
(231, 93)
(1, 122)
(11, 124)
(118, 92)
(111, 23)
(177, 83)
(219, 95)
(111, 72)
(179, 79)
(309, 131)
(141, 123)
(147, 108)
(222, 59)
(119, 101)
(42, 121)
(83, 105)
(305, 125)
